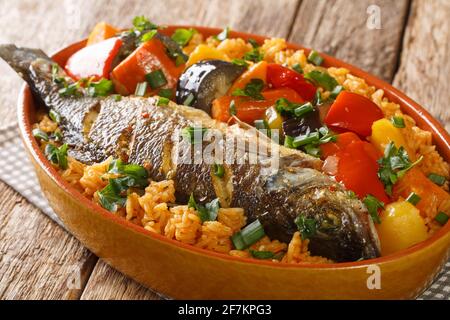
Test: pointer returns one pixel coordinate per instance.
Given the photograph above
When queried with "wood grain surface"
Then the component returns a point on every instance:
(40, 260)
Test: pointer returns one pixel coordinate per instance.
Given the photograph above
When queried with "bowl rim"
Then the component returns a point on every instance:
(421, 116)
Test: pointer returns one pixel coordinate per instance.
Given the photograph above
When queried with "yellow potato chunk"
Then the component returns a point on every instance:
(384, 132)
(203, 52)
(401, 227)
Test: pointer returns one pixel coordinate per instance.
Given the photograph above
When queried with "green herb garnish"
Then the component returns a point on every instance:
(253, 43)
(162, 102)
(394, 166)
(101, 88)
(306, 226)
(57, 155)
(322, 79)
(437, 179)
(208, 212)
(373, 205)
(233, 110)
(252, 89)
(262, 255)
(255, 55)
(194, 135)
(165, 93)
(219, 170)
(315, 58)
(441, 218)
(297, 68)
(240, 62)
(110, 197)
(189, 100)
(156, 79)
(398, 122)
(413, 198)
(183, 36)
(55, 116)
(38, 133)
(248, 236)
(141, 89)
(303, 110)
(117, 97)
(224, 34)
(142, 24)
(336, 91)
(310, 142)
(148, 35)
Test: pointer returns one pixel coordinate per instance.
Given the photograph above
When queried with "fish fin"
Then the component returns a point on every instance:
(20, 59)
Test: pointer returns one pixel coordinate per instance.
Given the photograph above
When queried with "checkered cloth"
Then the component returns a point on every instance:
(17, 171)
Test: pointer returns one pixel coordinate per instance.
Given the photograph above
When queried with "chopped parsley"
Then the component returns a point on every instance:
(208, 212)
(394, 166)
(306, 226)
(182, 36)
(255, 55)
(240, 62)
(101, 88)
(373, 205)
(252, 89)
(57, 155)
(194, 135)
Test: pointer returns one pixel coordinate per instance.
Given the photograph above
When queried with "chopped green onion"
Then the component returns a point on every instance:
(336, 91)
(219, 170)
(322, 79)
(38, 133)
(262, 255)
(101, 88)
(165, 93)
(224, 34)
(306, 139)
(54, 116)
(318, 98)
(303, 110)
(289, 142)
(248, 236)
(156, 79)
(413, 198)
(233, 111)
(254, 55)
(437, 179)
(240, 62)
(306, 226)
(189, 99)
(373, 205)
(398, 122)
(162, 102)
(194, 134)
(141, 89)
(71, 90)
(183, 36)
(117, 97)
(57, 136)
(315, 58)
(263, 126)
(313, 150)
(298, 68)
(148, 35)
(253, 43)
(441, 218)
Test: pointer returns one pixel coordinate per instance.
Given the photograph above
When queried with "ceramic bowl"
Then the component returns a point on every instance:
(182, 271)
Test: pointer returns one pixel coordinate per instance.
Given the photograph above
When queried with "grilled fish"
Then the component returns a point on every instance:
(139, 131)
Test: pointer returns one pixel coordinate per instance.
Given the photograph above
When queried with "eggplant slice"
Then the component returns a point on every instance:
(205, 81)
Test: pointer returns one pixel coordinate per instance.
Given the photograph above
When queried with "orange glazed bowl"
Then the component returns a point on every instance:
(185, 272)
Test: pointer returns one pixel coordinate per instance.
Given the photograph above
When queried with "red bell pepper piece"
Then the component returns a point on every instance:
(150, 56)
(251, 110)
(94, 61)
(353, 112)
(357, 170)
(343, 140)
(282, 77)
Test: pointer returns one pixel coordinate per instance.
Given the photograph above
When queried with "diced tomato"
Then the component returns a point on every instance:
(95, 61)
(282, 77)
(149, 57)
(357, 170)
(248, 110)
(343, 140)
(353, 112)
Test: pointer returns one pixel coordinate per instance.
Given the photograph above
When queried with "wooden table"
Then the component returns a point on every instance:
(404, 42)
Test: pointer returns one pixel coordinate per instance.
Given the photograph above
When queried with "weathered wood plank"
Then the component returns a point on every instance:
(425, 65)
(348, 31)
(106, 283)
(38, 260)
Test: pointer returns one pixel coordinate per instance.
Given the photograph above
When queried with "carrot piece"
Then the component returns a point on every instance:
(251, 110)
(257, 71)
(431, 195)
(150, 56)
(101, 31)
